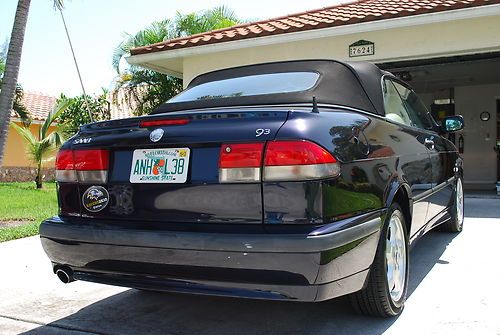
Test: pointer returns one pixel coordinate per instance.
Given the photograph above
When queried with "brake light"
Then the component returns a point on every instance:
(84, 166)
(86, 160)
(157, 123)
(296, 153)
(298, 160)
(64, 160)
(240, 162)
(280, 161)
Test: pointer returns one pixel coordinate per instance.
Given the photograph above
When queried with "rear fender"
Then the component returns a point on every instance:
(394, 186)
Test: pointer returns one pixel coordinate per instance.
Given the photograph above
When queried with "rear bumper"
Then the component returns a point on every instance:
(327, 262)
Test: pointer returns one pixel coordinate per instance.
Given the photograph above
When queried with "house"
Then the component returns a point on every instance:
(448, 50)
(16, 164)
(121, 106)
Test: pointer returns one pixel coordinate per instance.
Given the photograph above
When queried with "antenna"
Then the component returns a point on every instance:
(315, 106)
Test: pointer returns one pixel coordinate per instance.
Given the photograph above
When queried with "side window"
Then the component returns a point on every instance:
(419, 115)
(394, 106)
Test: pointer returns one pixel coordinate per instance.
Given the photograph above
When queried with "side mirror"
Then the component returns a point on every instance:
(452, 123)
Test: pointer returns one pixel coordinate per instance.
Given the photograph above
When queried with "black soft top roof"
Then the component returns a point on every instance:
(353, 84)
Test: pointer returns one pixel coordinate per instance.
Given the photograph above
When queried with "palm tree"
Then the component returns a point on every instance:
(2, 65)
(211, 19)
(19, 107)
(145, 90)
(13, 59)
(42, 146)
(17, 104)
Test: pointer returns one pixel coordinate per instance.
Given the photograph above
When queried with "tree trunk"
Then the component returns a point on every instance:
(12, 71)
(38, 179)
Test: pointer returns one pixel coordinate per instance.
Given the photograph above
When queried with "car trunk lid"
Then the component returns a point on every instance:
(136, 147)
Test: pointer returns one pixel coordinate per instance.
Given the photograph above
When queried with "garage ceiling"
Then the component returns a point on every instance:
(431, 78)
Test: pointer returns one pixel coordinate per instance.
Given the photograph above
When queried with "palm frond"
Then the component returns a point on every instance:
(58, 4)
(157, 31)
(3, 57)
(39, 148)
(33, 144)
(19, 107)
(145, 90)
(25, 133)
(43, 148)
(56, 139)
(60, 107)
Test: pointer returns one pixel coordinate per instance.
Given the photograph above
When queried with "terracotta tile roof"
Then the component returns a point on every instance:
(339, 15)
(39, 105)
(120, 108)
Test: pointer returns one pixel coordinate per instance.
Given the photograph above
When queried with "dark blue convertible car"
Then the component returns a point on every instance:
(299, 180)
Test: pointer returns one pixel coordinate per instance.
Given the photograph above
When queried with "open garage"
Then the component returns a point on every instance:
(467, 86)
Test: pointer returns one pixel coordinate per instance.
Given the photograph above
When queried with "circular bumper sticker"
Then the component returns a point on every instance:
(95, 199)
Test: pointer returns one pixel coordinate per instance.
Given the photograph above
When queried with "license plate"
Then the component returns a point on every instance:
(160, 166)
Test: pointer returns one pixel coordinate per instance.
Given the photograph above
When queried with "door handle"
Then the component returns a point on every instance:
(429, 143)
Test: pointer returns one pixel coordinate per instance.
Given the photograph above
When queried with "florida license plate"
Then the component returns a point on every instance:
(160, 166)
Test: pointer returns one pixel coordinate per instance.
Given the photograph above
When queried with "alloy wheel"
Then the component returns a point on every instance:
(459, 203)
(395, 256)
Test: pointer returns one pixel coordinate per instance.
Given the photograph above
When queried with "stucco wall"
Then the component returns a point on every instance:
(15, 150)
(414, 42)
(480, 159)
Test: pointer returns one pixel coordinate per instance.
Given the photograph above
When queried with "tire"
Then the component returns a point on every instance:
(456, 224)
(376, 299)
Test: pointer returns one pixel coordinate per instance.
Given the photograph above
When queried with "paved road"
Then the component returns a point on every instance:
(453, 290)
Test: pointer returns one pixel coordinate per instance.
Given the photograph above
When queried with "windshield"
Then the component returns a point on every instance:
(271, 83)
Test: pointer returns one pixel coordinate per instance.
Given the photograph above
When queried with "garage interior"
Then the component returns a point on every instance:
(467, 86)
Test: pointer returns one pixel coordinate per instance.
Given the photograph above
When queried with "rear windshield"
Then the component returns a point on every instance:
(271, 83)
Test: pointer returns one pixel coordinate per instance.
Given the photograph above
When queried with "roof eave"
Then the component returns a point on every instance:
(33, 121)
(149, 60)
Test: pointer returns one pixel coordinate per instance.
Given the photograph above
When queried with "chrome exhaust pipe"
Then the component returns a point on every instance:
(65, 274)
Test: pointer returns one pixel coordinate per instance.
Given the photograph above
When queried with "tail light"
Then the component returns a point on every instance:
(282, 161)
(240, 163)
(83, 166)
(298, 160)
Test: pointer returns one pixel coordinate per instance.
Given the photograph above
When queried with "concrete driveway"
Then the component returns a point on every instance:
(454, 289)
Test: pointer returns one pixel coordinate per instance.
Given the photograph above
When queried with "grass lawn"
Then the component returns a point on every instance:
(23, 202)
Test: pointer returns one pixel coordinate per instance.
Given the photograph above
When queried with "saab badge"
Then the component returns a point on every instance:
(95, 199)
(156, 135)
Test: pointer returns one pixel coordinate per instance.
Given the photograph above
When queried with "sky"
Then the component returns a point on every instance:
(97, 26)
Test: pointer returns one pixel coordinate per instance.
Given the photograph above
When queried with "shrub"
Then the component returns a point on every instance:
(77, 115)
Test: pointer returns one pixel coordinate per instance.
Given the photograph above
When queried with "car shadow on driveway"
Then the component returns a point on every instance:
(137, 312)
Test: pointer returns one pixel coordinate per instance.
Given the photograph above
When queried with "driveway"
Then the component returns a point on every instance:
(453, 290)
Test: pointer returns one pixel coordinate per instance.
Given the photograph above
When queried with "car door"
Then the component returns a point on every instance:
(439, 150)
(414, 157)
(442, 176)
